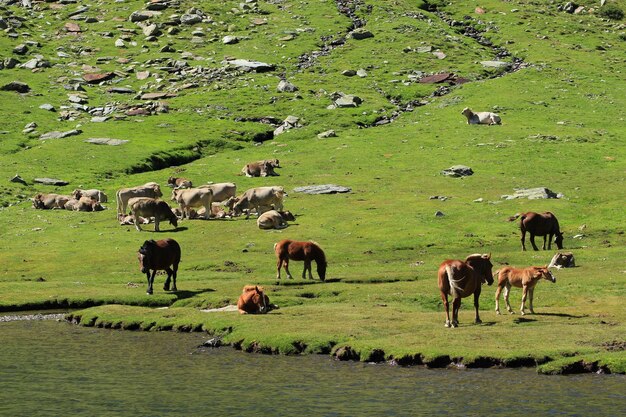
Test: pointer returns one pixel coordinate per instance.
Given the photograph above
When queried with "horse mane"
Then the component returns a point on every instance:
(250, 288)
(320, 254)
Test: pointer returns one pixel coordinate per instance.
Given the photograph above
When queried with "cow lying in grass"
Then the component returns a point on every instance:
(263, 168)
(50, 201)
(481, 118)
(98, 195)
(525, 278)
(274, 219)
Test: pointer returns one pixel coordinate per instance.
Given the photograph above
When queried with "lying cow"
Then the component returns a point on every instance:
(50, 201)
(274, 219)
(525, 278)
(222, 191)
(127, 220)
(217, 212)
(84, 204)
(150, 190)
(481, 118)
(179, 182)
(150, 207)
(261, 199)
(193, 197)
(96, 194)
(263, 168)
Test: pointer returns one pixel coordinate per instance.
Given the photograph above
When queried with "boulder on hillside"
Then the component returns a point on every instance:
(50, 181)
(458, 171)
(322, 189)
(16, 86)
(532, 194)
(286, 87)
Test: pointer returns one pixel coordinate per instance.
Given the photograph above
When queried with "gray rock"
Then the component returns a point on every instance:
(360, 34)
(120, 43)
(20, 49)
(348, 73)
(16, 86)
(106, 141)
(439, 214)
(495, 64)
(346, 100)
(18, 179)
(361, 73)
(322, 189)
(251, 65)
(286, 87)
(47, 106)
(99, 119)
(230, 40)
(458, 171)
(531, 194)
(121, 90)
(10, 63)
(190, 19)
(151, 30)
(289, 123)
(50, 181)
(327, 134)
(60, 135)
(139, 16)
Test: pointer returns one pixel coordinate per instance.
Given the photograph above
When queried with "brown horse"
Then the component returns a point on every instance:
(461, 279)
(525, 278)
(300, 251)
(159, 255)
(540, 224)
(253, 300)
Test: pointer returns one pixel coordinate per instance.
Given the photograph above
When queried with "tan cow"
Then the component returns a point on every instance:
(150, 189)
(260, 198)
(481, 118)
(150, 207)
(525, 278)
(127, 220)
(263, 168)
(50, 201)
(274, 219)
(84, 204)
(222, 191)
(179, 182)
(97, 194)
(193, 197)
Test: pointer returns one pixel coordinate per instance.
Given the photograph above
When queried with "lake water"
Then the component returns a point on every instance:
(49, 368)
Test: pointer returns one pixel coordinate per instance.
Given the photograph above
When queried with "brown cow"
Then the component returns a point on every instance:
(179, 182)
(150, 207)
(84, 204)
(222, 191)
(526, 279)
(274, 219)
(50, 201)
(263, 168)
(540, 224)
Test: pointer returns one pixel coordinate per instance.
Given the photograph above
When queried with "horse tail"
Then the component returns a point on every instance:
(515, 217)
(455, 289)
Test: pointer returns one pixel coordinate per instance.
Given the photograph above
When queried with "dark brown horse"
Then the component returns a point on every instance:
(461, 279)
(253, 300)
(540, 224)
(159, 255)
(300, 251)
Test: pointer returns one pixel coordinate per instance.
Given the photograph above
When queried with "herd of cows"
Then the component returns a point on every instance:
(456, 278)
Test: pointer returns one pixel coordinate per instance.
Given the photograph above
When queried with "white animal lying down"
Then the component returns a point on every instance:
(481, 118)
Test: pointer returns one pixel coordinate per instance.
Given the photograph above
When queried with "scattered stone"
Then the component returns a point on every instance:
(95, 78)
(286, 87)
(361, 73)
(167, 49)
(439, 55)
(322, 189)
(151, 30)
(348, 73)
(212, 343)
(458, 171)
(120, 43)
(436, 78)
(251, 65)
(60, 135)
(532, 194)
(495, 64)
(10, 63)
(230, 40)
(289, 123)
(142, 75)
(18, 179)
(36, 62)
(327, 134)
(50, 181)
(345, 100)
(72, 27)
(360, 34)
(140, 16)
(20, 49)
(121, 90)
(106, 141)
(439, 214)
(99, 119)
(562, 260)
(479, 200)
(16, 86)
(48, 107)
(156, 96)
(190, 19)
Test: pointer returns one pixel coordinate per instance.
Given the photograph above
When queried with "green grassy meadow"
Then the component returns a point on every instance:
(563, 128)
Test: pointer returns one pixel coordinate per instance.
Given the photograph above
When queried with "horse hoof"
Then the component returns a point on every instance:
(498, 313)
(479, 321)
(455, 324)
(447, 324)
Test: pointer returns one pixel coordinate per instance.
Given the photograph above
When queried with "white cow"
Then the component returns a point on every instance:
(260, 198)
(481, 118)
(96, 194)
(193, 197)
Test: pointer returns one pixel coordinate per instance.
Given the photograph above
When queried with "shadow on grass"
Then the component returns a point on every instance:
(561, 315)
(184, 294)
(298, 282)
(521, 320)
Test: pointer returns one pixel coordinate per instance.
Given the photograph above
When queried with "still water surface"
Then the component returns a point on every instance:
(57, 369)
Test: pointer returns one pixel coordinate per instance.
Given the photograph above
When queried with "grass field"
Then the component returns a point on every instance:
(563, 128)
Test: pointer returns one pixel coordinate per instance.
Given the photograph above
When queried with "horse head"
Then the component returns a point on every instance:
(260, 299)
(547, 274)
(558, 239)
(143, 254)
(481, 263)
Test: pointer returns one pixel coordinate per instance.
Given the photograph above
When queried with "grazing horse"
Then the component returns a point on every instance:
(526, 279)
(300, 251)
(159, 255)
(540, 224)
(253, 300)
(461, 279)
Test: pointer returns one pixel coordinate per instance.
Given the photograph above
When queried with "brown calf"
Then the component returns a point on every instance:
(525, 278)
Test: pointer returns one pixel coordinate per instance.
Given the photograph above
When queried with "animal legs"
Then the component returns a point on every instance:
(307, 266)
(549, 241)
(136, 221)
(498, 291)
(446, 305)
(507, 290)
(166, 285)
(524, 295)
(523, 239)
(456, 305)
(532, 241)
(476, 296)
(156, 223)
(150, 280)
(531, 292)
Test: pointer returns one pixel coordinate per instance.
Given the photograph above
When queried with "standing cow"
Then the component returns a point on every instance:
(150, 189)
(150, 207)
(260, 198)
(193, 197)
